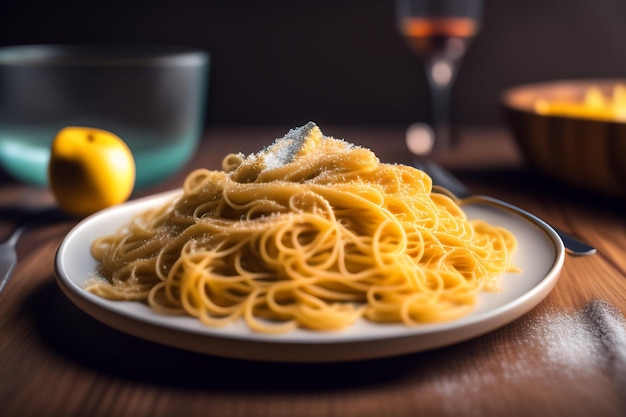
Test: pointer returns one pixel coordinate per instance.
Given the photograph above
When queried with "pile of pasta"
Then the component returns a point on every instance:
(310, 232)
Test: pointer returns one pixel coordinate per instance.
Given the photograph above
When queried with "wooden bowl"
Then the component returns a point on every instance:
(582, 152)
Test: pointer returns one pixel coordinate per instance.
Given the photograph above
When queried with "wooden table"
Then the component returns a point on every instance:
(567, 357)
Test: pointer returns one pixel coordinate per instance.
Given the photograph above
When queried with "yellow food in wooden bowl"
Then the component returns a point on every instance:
(573, 131)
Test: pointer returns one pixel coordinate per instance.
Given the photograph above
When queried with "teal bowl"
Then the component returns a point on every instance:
(153, 97)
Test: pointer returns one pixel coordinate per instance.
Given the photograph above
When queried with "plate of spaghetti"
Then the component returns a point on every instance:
(310, 250)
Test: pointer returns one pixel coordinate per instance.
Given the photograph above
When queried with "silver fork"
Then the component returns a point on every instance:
(8, 254)
(444, 182)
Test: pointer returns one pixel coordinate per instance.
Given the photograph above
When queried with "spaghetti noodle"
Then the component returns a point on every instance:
(310, 232)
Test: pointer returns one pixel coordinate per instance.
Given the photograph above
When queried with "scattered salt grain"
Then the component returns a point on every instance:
(551, 345)
(608, 326)
(574, 343)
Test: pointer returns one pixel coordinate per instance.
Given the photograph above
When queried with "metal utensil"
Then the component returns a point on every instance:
(8, 254)
(444, 182)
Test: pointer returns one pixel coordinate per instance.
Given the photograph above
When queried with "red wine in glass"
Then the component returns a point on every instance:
(431, 37)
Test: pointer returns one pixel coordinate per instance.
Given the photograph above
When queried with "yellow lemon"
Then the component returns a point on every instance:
(90, 169)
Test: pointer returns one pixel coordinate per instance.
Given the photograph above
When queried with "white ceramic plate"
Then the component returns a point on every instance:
(540, 255)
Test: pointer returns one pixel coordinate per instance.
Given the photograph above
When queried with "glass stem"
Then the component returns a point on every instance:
(440, 73)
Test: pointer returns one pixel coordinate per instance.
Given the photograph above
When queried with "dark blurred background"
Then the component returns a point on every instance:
(338, 62)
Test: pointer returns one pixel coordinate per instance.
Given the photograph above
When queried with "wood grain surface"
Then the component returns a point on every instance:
(567, 357)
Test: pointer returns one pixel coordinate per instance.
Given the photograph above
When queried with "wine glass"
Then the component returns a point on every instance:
(438, 31)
